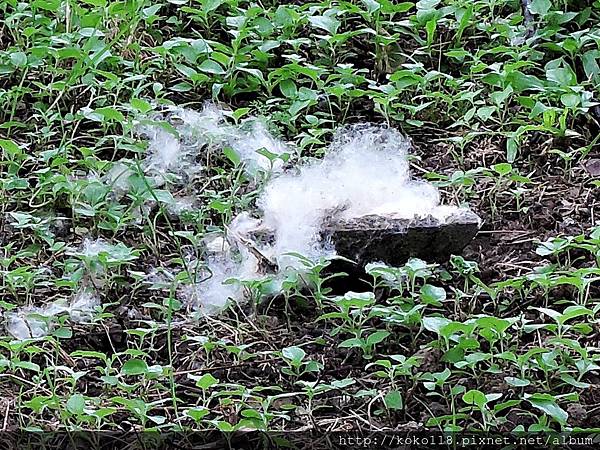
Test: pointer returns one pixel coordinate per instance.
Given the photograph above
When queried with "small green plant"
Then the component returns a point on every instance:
(296, 363)
(500, 101)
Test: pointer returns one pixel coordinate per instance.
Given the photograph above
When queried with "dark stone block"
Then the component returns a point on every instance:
(393, 241)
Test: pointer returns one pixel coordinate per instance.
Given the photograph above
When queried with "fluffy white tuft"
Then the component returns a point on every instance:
(365, 171)
(197, 131)
(83, 305)
(35, 322)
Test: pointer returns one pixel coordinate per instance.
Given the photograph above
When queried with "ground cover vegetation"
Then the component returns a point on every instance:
(499, 98)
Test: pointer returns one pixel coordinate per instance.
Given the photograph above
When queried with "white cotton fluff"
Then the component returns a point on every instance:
(210, 294)
(209, 126)
(228, 263)
(26, 324)
(89, 252)
(364, 171)
(83, 305)
(174, 146)
(35, 322)
(221, 281)
(93, 247)
(216, 244)
(164, 149)
(248, 144)
(181, 205)
(118, 179)
(180, 139)
(199, 131)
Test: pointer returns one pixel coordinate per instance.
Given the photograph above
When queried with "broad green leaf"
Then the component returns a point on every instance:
(555, 315)
(502, 168)
(493, 323)
(351, 343)
(590, 64)
(393, 400)
(110, 113)
(570, 100)
(294, 354)
(141, 105)
(206, 381)
(288, 88)
(433, 295)
(475, 397)
(26, 365)
(10, 147)
(232, 155)
(430, 28)
(210, 5)
(540, 7)
(454, 355)
(327, 23)
(485, 112)
(212, 67)
(197, 413)
(377, 337)
(76, 404)
(561, 75)
(573, 382)
(134, 367)
(507, 404)
(512, 149)
(225, 427)
(435, 324)
(372, 5)
(464, 15)
(517, 382)
(19, 59)
(521, 82)
(547, 404)
(574, 311)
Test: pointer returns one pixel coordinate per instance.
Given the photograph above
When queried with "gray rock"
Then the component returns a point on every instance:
(393, 241)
